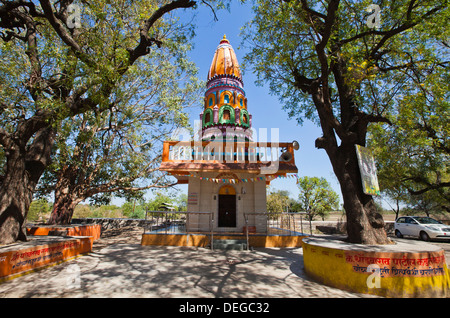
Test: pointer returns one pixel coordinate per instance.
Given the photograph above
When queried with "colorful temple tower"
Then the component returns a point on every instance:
(225, 168)
(225, 112)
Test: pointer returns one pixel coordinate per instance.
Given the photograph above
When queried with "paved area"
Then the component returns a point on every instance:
(131, 270)
(120, 267)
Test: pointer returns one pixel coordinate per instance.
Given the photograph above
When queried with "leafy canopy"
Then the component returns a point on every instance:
(294, 43)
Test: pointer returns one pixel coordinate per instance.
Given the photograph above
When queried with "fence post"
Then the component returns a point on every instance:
(211, 224)
(310, 226)
(301, 222)
(246, 228)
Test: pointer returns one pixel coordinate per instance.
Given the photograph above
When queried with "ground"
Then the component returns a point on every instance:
(120, 267)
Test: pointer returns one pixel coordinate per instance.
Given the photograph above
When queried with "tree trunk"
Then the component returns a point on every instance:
(24, 167)
(15, 199)
(66, 196)
(63, 209)
(364, 224)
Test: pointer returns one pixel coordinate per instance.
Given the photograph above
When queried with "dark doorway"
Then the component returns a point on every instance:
(227, 210)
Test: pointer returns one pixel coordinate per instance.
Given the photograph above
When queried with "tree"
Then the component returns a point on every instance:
(57, 64)
(159, 200)
(38, 209)
(134, 209)
(181, 202)
(413, 153)
(278, 201)
(316, 197)
(328, 64)
(424, 203)
(118, 151)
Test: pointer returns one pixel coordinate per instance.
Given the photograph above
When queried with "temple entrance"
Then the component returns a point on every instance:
(227, 207)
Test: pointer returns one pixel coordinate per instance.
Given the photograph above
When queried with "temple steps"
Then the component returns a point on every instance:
(228, 244)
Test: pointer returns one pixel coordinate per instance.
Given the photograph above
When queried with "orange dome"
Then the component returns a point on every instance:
(224, 61)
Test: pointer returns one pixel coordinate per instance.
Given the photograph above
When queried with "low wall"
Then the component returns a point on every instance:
(329, 227)
(412, 269)
(39, 252)
(112, 223)
(93, 230)
(202, 240)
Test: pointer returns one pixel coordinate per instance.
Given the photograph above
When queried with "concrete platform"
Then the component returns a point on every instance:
(402, 269)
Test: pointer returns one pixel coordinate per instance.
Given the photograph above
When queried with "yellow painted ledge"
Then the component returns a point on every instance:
(403, 269)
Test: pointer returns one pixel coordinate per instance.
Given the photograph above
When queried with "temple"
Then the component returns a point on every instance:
(226, 169)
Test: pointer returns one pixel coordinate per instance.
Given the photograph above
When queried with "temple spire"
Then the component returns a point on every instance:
(225, 108)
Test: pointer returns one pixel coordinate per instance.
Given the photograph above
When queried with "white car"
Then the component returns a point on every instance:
(423, 227)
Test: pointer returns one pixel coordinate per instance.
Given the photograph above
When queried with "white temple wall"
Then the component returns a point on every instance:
(203, 196)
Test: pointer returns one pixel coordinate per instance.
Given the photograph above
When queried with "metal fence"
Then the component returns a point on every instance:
(173, 222)
(278, 223)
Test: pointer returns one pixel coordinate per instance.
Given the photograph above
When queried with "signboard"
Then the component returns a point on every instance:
(368, 170)
(192, 199)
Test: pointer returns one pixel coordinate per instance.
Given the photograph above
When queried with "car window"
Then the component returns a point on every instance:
(427, 220)
(400, 220)
(411, 221)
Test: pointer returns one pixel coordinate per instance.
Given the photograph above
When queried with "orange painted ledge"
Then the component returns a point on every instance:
(92, 230)
(39, 252)
(202, 240)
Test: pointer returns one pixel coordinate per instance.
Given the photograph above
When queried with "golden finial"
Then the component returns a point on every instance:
(224, 39)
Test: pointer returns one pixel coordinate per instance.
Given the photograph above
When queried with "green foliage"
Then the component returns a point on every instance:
(413, 153)
(133, 210)
(106, 211)
(82, 211)
(39, 210)
(327, 65)
(283, 38)
(428, 203)
(181, 202)
(317, 197)
(279, 201)
(116, 145)
(159, 200)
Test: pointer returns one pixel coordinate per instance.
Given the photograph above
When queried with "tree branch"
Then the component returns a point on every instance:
(63, 34)
(409, 24)
(145, 41)
(429, 187)
(5, 138)
(59, 28)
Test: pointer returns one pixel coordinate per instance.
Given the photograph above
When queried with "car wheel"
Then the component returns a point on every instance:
(424, 236)
(398, 234)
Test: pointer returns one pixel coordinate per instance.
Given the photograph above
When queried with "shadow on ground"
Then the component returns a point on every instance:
(120, 267)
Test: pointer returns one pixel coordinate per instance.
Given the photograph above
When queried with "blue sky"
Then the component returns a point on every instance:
(266, 109)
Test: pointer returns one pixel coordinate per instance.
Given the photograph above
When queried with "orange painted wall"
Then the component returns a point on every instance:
(30, 258)
(82, 230)
(203, 240)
